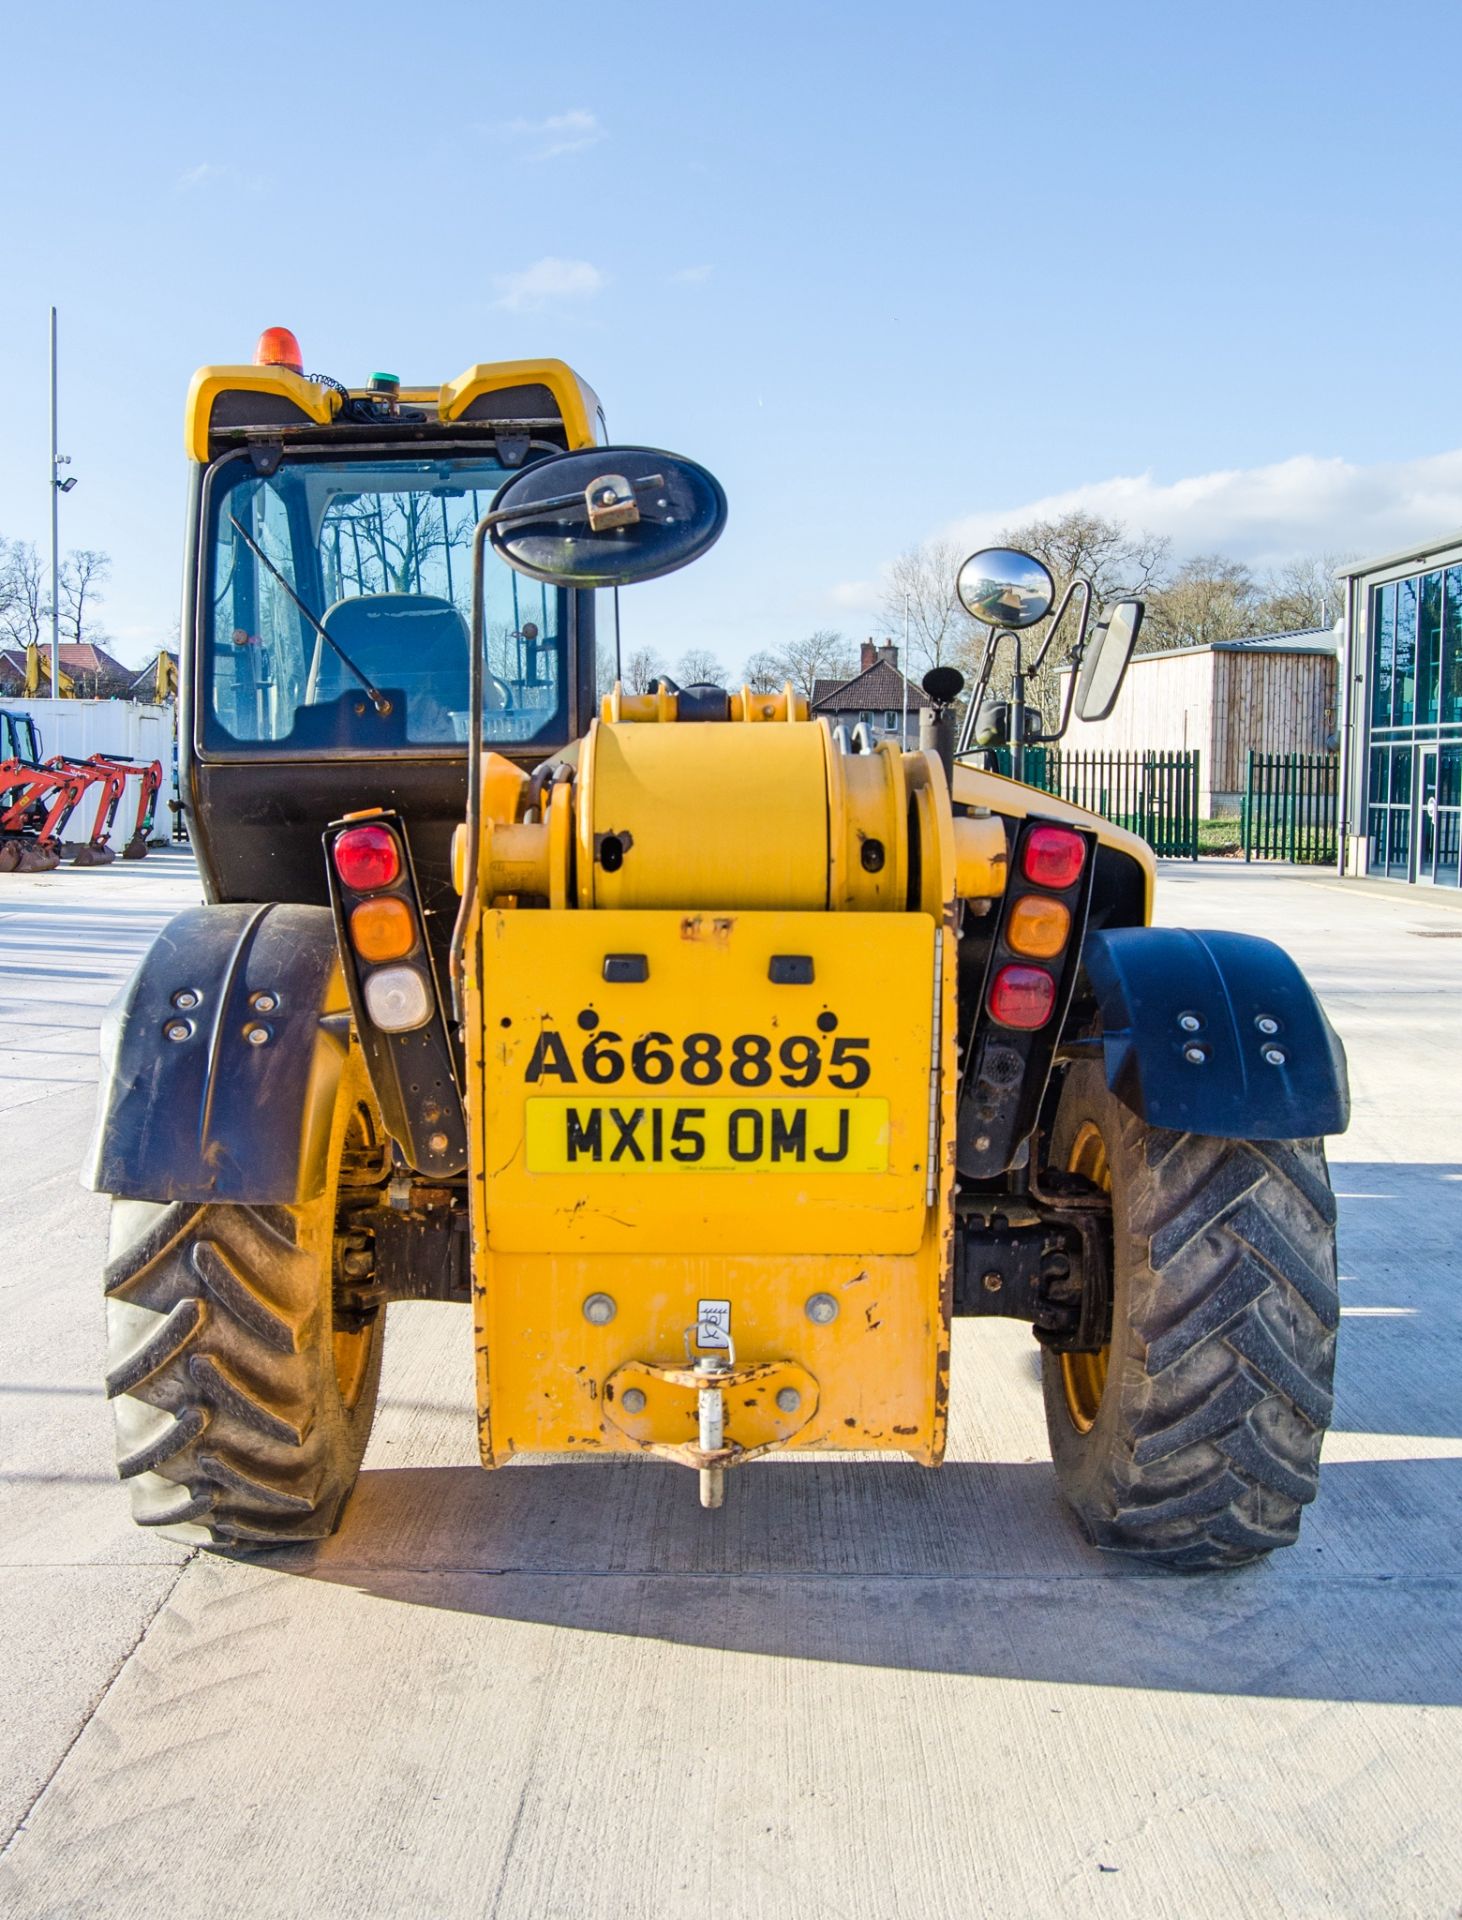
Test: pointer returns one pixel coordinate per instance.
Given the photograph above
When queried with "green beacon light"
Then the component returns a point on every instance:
(388, 386)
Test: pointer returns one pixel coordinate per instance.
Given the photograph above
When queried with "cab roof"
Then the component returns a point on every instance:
(232, 405)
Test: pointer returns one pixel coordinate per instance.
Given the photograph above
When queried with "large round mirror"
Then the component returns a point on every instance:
(1003, 587)
(607, 517)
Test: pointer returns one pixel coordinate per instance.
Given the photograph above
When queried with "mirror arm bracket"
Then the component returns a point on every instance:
(1083, 587)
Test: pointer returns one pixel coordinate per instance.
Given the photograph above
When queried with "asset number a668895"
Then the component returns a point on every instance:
(603, 1058)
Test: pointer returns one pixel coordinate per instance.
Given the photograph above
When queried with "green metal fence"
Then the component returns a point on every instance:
(1154, 794)
(1290, 807)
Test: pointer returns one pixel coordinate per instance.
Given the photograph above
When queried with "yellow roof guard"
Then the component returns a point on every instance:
(276, 397)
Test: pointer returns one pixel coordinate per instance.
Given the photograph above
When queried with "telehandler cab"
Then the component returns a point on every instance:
(713, 1067)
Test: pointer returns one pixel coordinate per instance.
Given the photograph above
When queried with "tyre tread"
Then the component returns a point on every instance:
(219, 1421)
(1223, 1389)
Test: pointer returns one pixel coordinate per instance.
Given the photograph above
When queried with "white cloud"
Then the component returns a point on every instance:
(560, 133)
(1264, 515)
(691, 276)
(546, 280)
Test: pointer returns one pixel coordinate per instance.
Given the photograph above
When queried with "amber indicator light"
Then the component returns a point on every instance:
(1038, 926)
(382, 929)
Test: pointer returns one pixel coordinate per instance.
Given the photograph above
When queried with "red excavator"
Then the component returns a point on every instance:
(39, 797)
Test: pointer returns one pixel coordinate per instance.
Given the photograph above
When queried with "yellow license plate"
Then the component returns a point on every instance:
(706, 1136)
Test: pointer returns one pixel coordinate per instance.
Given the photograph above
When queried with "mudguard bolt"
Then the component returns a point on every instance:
(632, 1400)
(1189, 1022)
(1195, 1056)
(264, 1002)
(1266, 1025)
(184, 999)
(178, 1029)
(257, 1036)
(1275, 1056)
(789, 1400)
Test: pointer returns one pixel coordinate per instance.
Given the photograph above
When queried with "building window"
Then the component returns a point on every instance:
(890, 720)
(1383, 655)
(1452, 649)
(1413, 816)
(1429, 651)
(1449, 816)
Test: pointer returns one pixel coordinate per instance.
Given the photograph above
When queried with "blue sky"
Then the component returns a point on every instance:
(888, 271)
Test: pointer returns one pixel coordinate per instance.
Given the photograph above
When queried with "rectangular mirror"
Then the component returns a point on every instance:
(1099, 679)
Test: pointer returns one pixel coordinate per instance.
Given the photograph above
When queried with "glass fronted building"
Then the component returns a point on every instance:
(1402, 740)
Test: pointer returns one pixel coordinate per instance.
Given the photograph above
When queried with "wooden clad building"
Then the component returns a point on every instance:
(1275, 693)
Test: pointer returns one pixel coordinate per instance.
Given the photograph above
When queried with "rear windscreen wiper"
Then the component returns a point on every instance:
(378, 699)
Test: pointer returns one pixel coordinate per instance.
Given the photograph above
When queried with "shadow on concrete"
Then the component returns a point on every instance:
(974, 1570)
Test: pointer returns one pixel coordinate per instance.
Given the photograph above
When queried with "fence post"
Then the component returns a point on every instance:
(1195, 787)
(1247, 809)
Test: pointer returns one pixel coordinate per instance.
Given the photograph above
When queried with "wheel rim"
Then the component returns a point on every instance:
(1084, 1375)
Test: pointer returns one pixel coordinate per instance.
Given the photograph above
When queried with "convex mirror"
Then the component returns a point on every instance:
(606, 517)
(1003, 587)
(1099, 678)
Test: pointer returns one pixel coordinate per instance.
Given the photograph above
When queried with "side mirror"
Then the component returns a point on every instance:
(606, 517)
(1003, 587)
(1099, 678)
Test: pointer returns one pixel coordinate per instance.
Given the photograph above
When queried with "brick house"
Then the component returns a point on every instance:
(97, 674)
(875, 696)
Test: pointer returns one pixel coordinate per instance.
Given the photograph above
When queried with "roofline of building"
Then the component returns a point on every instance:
(1256, 643)
(1400, 557)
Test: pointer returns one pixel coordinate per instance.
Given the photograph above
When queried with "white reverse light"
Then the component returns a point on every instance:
(398, 999)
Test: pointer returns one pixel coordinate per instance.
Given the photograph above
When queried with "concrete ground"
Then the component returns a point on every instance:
(860, 1690)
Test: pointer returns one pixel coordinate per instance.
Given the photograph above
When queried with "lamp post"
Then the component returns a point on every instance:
(904, 676)
(58, 487)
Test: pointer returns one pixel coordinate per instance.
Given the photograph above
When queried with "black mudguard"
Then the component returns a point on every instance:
(214, 1114)
(1219, 1077)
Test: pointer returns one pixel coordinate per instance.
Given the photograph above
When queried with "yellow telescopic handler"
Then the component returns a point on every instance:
(712, 1061)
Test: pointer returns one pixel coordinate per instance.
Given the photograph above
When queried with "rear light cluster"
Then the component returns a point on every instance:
(382, 928)
(1037, 927)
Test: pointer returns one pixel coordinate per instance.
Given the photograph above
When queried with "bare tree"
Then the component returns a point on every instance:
(22, 603)
(764, 672)
(83, 573)
(1209, 598)
(823, 655)
(641, 669)
(1303, 593)
(697, 667)
(920, 594)
(1119, 563)
(388, 542)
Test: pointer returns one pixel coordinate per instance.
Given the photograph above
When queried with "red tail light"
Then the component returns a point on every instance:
(278, 348)
(367, 857)
(1053, 857)
(1022, 997)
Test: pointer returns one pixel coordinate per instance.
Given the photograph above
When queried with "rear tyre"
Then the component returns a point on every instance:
(1193, 1440)
(242, 1371)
